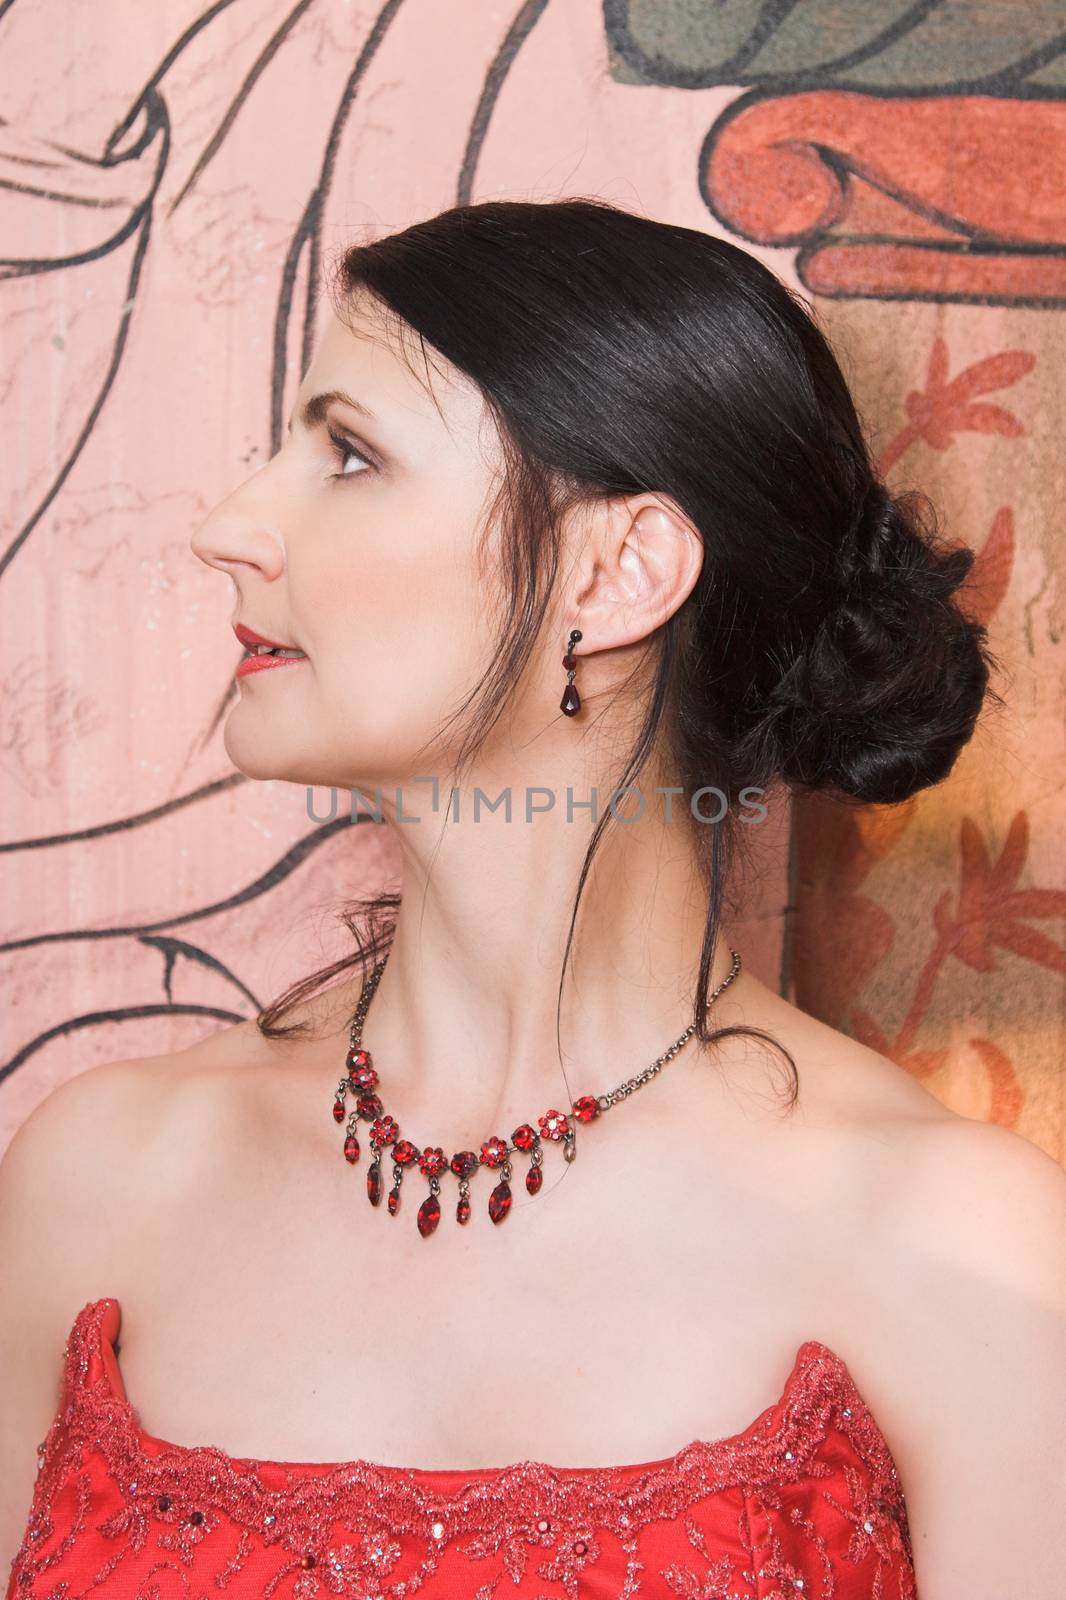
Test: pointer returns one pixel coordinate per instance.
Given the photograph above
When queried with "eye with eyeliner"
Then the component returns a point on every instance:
(343, 449)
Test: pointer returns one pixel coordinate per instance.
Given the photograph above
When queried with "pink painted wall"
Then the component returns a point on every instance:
(174, 181)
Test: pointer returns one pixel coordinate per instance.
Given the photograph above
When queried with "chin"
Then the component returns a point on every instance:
(255, 753)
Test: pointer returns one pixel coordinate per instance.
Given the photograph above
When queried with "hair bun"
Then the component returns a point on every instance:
(889, 688)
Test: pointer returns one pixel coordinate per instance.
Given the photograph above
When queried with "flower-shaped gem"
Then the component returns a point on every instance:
(554, 1125)
(385, 1130)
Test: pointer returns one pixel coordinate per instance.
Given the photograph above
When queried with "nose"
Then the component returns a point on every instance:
(241, 531)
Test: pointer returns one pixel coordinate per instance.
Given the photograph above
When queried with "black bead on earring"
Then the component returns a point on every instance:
(570, 704)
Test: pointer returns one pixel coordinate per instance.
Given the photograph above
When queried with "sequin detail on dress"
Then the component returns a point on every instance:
(805, 1502)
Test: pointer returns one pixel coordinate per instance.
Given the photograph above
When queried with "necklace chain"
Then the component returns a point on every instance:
(362, 1080)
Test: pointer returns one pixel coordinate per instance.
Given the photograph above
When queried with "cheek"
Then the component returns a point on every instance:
(394, 616)
(386, 554)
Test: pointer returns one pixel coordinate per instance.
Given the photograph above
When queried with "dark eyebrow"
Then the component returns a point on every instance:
(313, 411)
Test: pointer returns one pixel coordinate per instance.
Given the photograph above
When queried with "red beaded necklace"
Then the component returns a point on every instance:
(362, 1080)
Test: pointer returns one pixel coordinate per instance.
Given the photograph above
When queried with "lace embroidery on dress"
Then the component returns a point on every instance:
(343, 1527)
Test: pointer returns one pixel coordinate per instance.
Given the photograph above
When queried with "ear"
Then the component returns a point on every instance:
(638, 564)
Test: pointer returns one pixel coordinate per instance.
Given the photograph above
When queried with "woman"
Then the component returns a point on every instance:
(768, 1335)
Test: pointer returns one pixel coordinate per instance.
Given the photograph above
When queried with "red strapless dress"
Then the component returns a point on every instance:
(804, 1503)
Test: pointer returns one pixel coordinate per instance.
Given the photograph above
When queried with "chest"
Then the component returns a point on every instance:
(614, 1317)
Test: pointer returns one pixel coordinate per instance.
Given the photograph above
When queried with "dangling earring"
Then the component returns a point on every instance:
(570, 704)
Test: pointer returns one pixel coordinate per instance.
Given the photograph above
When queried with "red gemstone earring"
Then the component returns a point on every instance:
(570, 704)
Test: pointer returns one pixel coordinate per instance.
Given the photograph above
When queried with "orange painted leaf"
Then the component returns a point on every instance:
(1007, 1097)
(990, 575)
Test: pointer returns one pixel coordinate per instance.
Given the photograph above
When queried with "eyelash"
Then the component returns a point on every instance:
(342, 449)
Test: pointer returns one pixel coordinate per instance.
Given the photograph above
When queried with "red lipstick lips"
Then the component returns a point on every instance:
(264, 652)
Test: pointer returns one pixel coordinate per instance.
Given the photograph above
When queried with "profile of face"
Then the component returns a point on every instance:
(357, 544)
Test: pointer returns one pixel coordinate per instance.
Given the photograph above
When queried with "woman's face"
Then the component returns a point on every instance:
(356, 544)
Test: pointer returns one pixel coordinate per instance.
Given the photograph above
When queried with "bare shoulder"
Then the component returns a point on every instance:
(69, 1142)
(988, 1179)
(89, 1185)
(104, 1155)
(972, 1362)
(75, 1166)
(980, 1226)
(113, 1141)
(99, 1158)
(84, 1185)
(963, 1209)
(979, 1217)
(959, 1261)
(844, 1087)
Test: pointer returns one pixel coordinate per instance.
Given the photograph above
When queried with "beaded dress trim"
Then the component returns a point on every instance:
(342, 1528)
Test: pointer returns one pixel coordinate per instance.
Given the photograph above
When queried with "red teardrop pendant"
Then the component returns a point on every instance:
(394, 1199)
(500, 1201)
(570, 704)
(428, 1215)
(534, 1179)
(351, 1149)
(462, 1210)
(373, 1182)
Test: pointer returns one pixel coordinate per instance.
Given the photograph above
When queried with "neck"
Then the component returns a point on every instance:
(462, 1026)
